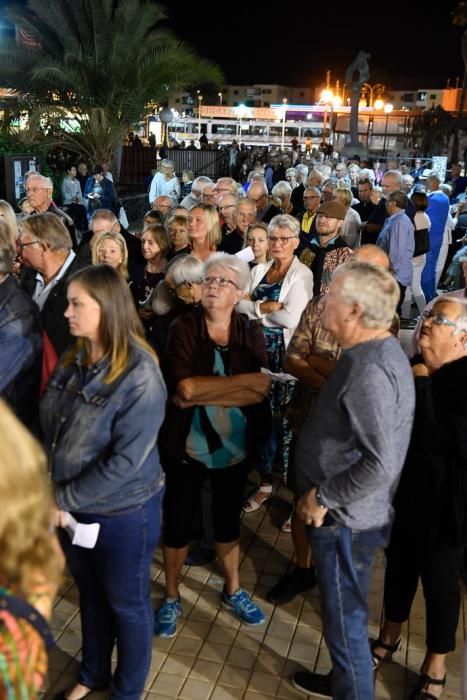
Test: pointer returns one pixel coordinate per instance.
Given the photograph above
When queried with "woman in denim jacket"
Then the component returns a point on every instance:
(100, 415)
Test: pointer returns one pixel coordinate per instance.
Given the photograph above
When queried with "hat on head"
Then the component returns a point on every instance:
(335, 210)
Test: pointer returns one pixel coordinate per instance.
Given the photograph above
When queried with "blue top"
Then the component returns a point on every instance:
(354, 442)
(101, 438)
(229, 423)
(397, 239)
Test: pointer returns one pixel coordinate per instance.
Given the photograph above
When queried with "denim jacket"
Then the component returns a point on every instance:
(101, 438)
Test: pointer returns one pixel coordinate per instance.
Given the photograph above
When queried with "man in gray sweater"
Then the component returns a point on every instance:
(348, 460)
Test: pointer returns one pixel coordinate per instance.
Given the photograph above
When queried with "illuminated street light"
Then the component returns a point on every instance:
(326, 98)
(219, 94)
(387, 109)
(368, 92)
(284, 112)
(200, 99)
(242, 111)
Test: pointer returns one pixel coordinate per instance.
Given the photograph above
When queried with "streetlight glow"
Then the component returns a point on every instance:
(200, 99)
(219, 94)
(387, 109)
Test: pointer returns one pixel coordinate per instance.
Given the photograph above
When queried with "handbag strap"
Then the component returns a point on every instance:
(20, 608)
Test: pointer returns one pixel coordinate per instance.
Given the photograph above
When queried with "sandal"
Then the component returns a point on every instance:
(390, 649)
(420, 692)
(252, 504)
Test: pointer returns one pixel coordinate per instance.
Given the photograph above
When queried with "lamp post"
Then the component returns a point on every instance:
(200, 99)
(367, 92)
(284, 112)
(326, 98)
(387, 109)
(219, 94)
(241, 113)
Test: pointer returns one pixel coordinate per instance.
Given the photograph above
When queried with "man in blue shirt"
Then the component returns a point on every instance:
(398, 240)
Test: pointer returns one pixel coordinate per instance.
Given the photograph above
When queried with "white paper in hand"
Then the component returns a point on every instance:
(82, 535)
(246, 254)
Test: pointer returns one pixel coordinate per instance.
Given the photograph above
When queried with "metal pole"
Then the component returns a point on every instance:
(284, 111)
(240, 134)
(385, 134)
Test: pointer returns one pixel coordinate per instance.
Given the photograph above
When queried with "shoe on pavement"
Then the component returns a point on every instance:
(291, 585)
(316, 684)
(165, 619)
(241, 605)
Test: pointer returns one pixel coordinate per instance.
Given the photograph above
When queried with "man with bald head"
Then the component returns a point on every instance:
(265, 211)
(311, 357)
(391, 182)
(39, 190)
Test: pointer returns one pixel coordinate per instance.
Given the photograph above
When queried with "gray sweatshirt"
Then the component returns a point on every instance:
(354, 442)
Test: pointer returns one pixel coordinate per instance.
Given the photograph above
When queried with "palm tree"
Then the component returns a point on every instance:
(94, 66)
(459, 19)
(431, 130)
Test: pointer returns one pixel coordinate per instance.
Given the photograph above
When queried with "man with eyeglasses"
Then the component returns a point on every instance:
(244, 215)
(265, 211)
(311, 201)
(194, 197)
(326, 250)
(226, 207)
(39, 190)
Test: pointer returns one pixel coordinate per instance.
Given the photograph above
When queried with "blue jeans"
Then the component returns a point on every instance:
(343, 560)
(114, 586)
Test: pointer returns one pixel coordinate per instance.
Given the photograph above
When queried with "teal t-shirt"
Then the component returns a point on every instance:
(228, 422)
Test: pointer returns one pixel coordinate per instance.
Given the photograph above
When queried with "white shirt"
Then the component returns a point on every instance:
(42, 290)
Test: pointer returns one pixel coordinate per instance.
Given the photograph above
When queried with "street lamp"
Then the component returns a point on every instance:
(284, 112)
(367, 91)
(219, 94)
(200, 99)
(387, 109)
(326, 99)
(242, 112)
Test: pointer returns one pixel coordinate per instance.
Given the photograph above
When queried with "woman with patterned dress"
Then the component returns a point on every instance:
(278, 293)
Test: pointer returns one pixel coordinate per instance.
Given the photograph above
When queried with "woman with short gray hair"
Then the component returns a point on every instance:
(281, 193)
(278, 292)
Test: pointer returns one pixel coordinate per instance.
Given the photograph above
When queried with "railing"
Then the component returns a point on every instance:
(137, 163)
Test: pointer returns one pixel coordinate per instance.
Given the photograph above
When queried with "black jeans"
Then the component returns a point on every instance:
(438, 566)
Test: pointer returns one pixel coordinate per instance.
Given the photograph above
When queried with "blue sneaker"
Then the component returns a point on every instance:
(241, 605)
(165, 619)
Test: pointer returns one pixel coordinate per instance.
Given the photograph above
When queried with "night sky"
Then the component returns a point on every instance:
(411, 47)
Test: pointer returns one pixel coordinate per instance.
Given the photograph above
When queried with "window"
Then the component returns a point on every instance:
(235, 92)
(266, 104)
(301, 94)
(408, 97)
(421, 96)
(177, 100)
(433, 97)
(266, 92)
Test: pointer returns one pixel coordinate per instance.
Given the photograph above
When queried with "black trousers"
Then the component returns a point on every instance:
(183, 487)
(438, 567)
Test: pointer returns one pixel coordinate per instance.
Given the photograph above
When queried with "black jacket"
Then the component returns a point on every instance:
(54, 322)
(431, 499)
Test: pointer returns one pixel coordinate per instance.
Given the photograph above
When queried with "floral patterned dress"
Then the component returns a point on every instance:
(278, 447)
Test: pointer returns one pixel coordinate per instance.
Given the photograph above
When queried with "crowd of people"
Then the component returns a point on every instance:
(251, 328)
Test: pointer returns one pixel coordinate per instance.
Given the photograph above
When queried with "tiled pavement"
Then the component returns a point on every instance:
(215, 657)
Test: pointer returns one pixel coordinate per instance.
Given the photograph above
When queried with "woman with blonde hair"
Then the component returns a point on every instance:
(204, 231)
(110, 249)
(350, 230)
(9, 217)
(257, 238)
(30, 561)
(100, 416)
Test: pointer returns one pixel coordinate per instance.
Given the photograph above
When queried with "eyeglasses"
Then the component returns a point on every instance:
(438, 319)
(283, 240)
(25, 245)
(218, 281)
(28, 190)
(315, 196)
(227, 206)
(185, 285)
